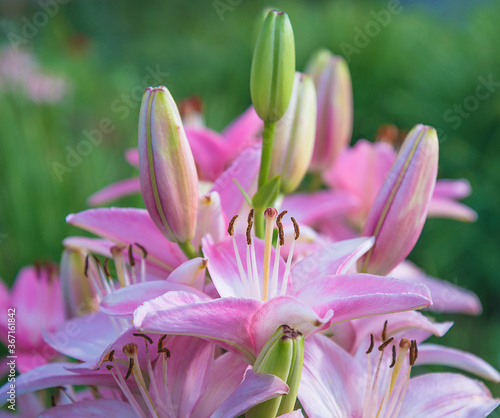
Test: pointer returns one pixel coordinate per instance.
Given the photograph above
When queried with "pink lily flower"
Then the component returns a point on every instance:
(184, 378)
(35, 305)
(213, 153)
(255, 299)
(374, 383)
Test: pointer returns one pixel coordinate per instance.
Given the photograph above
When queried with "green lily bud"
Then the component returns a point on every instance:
(282, 356)
(294, 138)
(273, 67)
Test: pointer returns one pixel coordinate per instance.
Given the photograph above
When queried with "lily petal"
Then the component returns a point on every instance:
(440, 207)
(115, 191)
(94, 408)
(254, 389)
(447, 356)
(439, 395)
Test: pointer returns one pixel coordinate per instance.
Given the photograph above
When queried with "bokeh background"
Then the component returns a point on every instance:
(86, 61)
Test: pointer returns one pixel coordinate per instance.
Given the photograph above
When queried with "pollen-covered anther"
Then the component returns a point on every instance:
(249, 233)
(296, 228)
(86, 267)
(147, 338)
(131, 256)
(393, 357)
(105, 267)
(109, 357)
(382, 346)
(281, 232)
(144, 252)
(130, 350)
(413, 352)
(130, 367)
(230, 228)
(384, 331)
(372, 344)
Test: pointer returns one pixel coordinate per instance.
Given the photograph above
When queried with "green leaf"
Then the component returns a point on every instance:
(242, 190)
(267, 194)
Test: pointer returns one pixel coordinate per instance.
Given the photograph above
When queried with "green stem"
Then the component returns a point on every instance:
(265, 167)
(267, 149)
(188, 249)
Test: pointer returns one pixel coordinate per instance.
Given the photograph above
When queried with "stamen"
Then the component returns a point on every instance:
(144, 252)
(284, 283)
(413, 352)
(372, 343)
(296, 228)
(281, 233)
(269, 215)
(130, 368)
(137, 334)
(121, 273)
(385, 344)
(131, 262)
(249, 233)
(230, 228)
(86, 268)
(384, 331)
(393, 357)
(120, 381)
(105, 267)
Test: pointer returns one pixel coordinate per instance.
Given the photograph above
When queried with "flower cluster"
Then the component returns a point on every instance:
(267, 275)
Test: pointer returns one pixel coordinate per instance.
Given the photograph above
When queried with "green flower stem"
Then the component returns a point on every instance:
(265, 167)
(188, 249)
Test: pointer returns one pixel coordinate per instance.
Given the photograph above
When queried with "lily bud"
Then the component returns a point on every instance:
(317, 63)
(400, 208)
(79, 296)
(169, 183)
(335, 111)
(273, 67)
(294, 138)
(282, 356)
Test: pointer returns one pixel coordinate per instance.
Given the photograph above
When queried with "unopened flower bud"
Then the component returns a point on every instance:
(169, 183)
(399, 211)
(282, 356)
(335, 111)
(317, 63)
(79, 295)
(273, 67)
(294, 138)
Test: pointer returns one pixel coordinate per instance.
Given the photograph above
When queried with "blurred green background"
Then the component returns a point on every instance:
(418, 68)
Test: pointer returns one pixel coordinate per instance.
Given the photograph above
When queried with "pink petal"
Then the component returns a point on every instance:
(124, 301)
(331, 381)
(56, 374)
(336, 258)
(242, 133)
(357, 295)
(226, 320)
(210, 220)
(442, 207)
(132, 156)
(253, 390)
(208, 151)
(115, 191)
(446, 297)
(438, 395)
(83, 338)
(285, 310)
(447, 356)
(454, 189)
(245, 170)
(126, 226)
(224, 377)
(94, 408)
(308, 208)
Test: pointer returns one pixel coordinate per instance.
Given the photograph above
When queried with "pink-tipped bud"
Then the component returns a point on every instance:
(400, 208)
(335, 111)
(169, 182)
(294, 138)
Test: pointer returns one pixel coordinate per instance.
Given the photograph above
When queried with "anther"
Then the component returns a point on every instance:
(250, 216)
(143, 336)
(230, 228)
(160, 342)
(130, 368)
(372, 343)
(384, 332)
(144, 252)
(109, 356)
(393, 357)
(413, 352)
(130, 256)
(296, 228)
(385, 344)
(109, 367)
(86, 268)
(249, 233)
(105, 267)
(280, 216)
